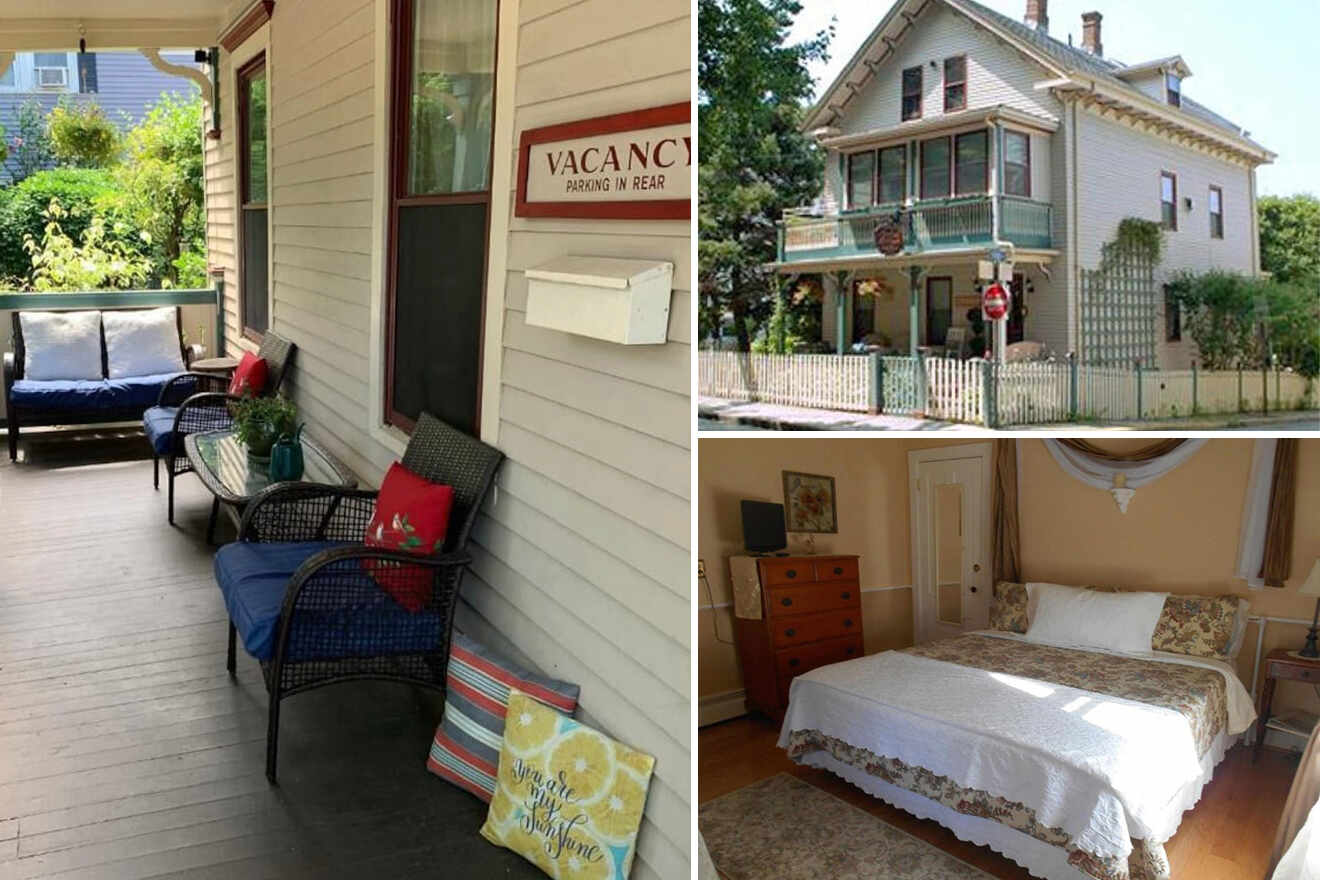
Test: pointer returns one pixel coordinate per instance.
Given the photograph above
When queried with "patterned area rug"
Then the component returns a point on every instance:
(783, 828)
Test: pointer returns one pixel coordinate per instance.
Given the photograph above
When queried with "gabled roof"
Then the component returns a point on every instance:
(1172, 62)
(1080, 67)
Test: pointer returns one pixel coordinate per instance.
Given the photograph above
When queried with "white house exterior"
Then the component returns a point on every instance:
(1007, 137)
(581, 561)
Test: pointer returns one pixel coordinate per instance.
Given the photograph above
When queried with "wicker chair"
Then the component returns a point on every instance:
(299, 590)
(207, 410)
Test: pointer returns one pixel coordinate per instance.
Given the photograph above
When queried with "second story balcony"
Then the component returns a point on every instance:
(928, 225)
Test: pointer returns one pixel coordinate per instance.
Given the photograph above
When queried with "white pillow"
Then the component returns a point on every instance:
(142, 343)
(1092, 619)
(61, 345)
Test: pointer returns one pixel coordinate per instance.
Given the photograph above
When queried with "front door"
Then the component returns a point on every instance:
(939, 309)
(952, 589)
(1017, 310)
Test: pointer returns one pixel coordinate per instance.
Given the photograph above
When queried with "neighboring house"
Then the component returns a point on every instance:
(125, 84)
(969, 129)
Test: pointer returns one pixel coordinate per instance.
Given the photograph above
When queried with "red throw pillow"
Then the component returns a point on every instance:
(412, 514)
(250, 376)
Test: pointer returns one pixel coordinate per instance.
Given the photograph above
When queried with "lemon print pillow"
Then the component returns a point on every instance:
(567, 798)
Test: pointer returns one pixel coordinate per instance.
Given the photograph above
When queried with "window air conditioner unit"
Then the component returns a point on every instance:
(52, 77)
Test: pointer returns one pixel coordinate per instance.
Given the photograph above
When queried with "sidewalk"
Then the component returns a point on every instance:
(719, 414)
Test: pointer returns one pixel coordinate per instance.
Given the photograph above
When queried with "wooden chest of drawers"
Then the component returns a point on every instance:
(811, 615)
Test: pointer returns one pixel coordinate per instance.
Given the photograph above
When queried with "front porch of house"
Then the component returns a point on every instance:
(125, 748)
(932, 304)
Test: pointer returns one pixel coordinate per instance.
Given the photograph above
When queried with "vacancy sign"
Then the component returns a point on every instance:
(629, 166)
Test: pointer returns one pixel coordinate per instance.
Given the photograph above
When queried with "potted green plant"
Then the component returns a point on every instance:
(259, 422)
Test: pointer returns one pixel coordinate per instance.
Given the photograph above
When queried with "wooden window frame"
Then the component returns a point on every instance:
(903, 94)
(950, 108)
(921, 172)
(930, 279)
(400, 118)
(953, 161)
(1008, 132)
(254, 65)
(1171, 95)
(875, 159)
(1210, 206)
(879, 165)
(1169, 175)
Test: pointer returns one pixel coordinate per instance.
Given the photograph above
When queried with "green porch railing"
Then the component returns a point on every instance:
(930, 225)
(125, 299)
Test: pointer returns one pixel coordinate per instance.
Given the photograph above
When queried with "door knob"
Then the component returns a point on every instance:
(973, 589)
(976, 566)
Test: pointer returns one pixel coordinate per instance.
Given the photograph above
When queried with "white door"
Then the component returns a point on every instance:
(951, 568)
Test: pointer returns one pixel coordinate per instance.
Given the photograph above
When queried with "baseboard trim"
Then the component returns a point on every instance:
(714, 708)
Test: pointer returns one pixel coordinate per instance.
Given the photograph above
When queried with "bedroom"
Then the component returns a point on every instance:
(942, 723)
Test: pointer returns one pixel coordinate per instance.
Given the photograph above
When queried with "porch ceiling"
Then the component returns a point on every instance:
(57, 25)
(1039, 256)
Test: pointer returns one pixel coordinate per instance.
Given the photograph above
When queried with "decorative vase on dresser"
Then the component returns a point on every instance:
(791, 615)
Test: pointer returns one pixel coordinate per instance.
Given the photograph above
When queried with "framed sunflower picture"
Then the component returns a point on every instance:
(809, 503)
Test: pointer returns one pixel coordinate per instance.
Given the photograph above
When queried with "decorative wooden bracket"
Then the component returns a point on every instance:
(192, 73)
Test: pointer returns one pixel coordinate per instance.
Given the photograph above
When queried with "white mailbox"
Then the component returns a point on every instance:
(618, 300)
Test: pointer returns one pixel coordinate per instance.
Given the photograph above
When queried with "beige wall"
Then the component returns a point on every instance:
(1180, 533)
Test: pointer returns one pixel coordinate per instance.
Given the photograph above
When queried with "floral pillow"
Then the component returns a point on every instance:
(1008, 610)
(1201, 626)
(567, 798)
(412, 515)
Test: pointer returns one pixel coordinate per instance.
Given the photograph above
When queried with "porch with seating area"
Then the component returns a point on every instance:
(127, 750)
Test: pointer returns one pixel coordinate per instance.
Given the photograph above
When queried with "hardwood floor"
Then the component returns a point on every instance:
(126, 750)
(1228, 836)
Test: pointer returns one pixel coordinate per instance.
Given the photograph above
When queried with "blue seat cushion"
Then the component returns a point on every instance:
(90, 394)
(359, 619)
(158, 422)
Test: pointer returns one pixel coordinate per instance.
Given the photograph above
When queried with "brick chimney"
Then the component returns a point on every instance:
(1038, 15)
(1091, 34)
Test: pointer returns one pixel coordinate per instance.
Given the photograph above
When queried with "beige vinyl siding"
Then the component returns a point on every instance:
(222, 198)
(1119, 176)
(581, 561)
(996, 74)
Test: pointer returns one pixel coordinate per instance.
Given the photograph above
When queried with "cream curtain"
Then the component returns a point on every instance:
(1138, 468)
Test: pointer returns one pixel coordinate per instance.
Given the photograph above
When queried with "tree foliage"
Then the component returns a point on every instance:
(29, 146)
(160, 188)
(752, 86)
(1240, 321)
(81, 136)
(98, 261)
(1290, 236)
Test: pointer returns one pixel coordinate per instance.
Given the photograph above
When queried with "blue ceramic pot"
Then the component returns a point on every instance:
(286, 458)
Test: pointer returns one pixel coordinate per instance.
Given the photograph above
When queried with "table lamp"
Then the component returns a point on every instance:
(1311, 587)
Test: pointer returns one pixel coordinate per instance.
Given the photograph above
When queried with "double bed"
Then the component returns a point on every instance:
(1076, 763)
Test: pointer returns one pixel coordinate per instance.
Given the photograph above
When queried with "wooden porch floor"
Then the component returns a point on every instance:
(125, 749)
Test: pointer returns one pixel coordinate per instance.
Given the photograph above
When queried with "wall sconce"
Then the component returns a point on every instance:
(1187, 202)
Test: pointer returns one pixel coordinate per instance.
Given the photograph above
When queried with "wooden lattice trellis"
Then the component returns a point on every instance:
(1120, 309)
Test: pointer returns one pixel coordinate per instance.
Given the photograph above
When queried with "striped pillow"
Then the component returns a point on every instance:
(466, 748)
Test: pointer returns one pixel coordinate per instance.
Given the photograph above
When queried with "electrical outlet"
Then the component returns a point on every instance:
(701, 568)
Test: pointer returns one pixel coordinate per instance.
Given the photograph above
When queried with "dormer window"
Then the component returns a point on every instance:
(1173, 86)
(955, 84)
(912, 93)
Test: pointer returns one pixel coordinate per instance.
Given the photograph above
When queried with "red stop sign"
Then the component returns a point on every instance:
(994, 302)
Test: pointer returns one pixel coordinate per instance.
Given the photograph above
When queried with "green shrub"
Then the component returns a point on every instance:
(81, 191)
(97, 261)
(82, 136)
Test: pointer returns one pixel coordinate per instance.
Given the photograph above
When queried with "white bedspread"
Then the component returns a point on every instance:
(1104, 769)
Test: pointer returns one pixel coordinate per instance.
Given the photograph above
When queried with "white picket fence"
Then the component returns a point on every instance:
(1020, 394)
(825, 381)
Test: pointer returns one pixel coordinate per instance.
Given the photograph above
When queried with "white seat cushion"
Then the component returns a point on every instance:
(61, 345)
(142, 342)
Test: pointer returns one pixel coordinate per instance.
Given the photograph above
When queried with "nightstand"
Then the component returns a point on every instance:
(1281, 664)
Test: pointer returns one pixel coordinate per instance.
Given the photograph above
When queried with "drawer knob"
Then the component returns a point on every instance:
(793, 662)
(846, 594)
(792, 572)
(851, 651)
(847, 622)
(790, 632)
(785, 601)
(838, 570)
